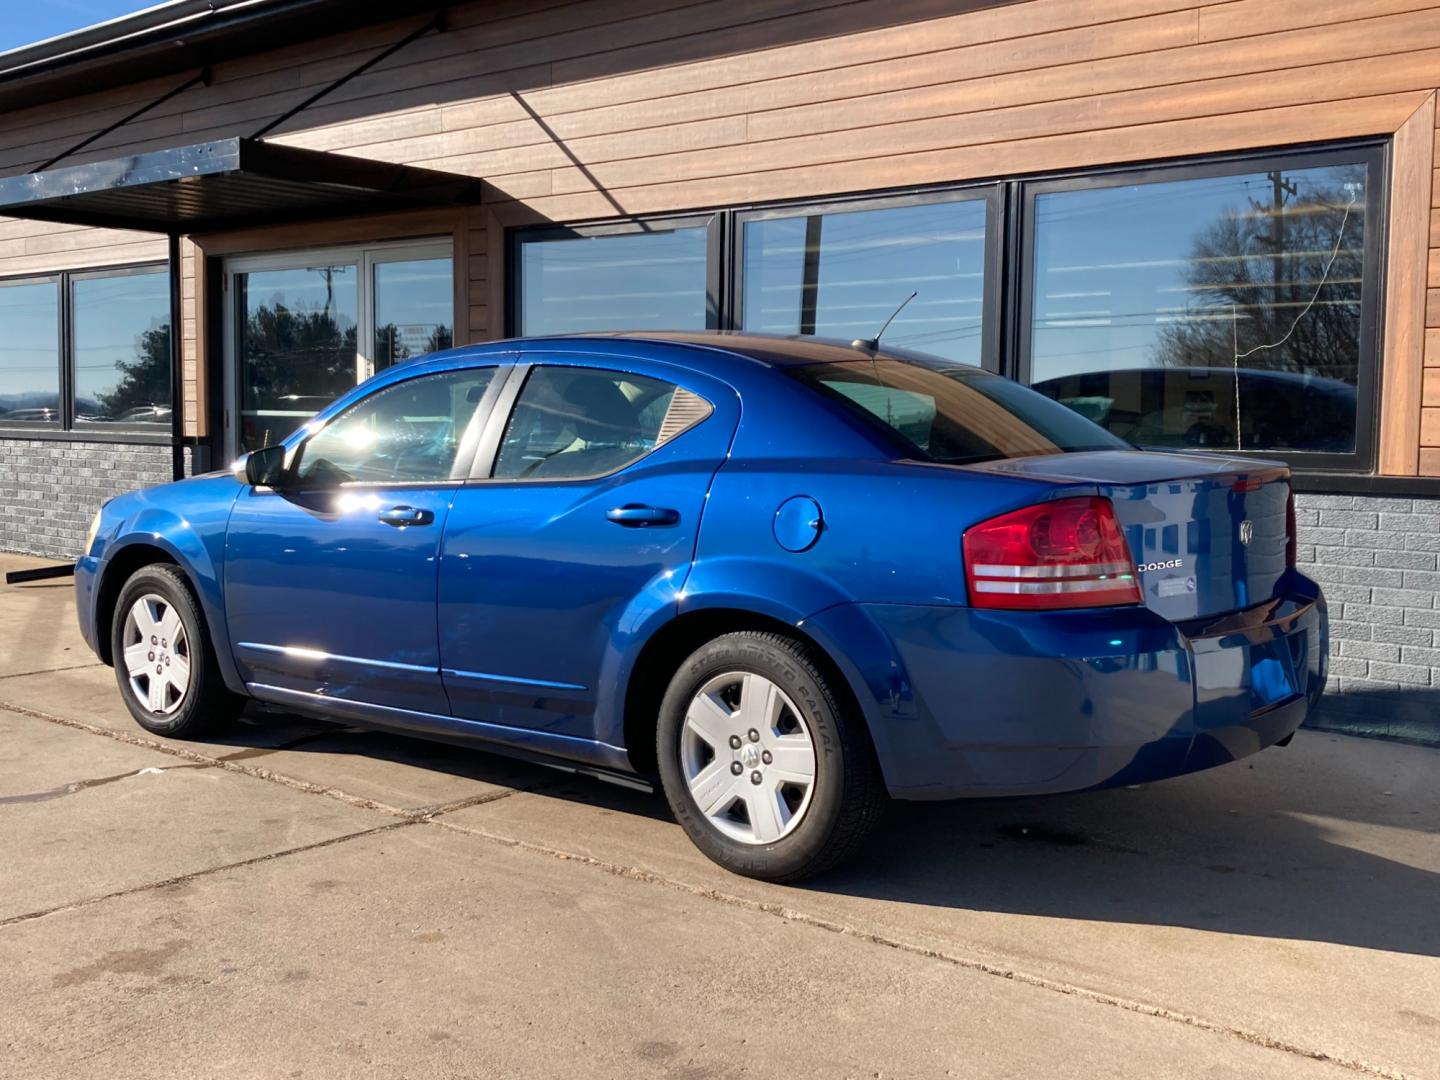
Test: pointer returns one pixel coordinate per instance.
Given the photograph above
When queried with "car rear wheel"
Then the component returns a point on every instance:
(164, 662)
(764, 766)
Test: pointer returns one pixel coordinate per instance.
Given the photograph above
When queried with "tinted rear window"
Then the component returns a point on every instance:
(954, 414)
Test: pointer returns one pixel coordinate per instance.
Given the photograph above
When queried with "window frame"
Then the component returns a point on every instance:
(365, 258)
(1372, 154)
(713, 223)
(65, 428)
(990, 194)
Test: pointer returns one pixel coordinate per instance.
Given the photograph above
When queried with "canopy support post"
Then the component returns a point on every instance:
(177, 362)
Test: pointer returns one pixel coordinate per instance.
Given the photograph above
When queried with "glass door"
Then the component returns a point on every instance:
(296, 347)
(305, 327)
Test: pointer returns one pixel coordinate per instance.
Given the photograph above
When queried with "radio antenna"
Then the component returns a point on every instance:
(872, 344)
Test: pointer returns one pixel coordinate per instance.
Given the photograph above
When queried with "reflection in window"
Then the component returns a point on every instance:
(1220, 313)
(414, 302)
(122, 349)
(30, 352)
(652, 280)
(297, 346)
(407, 433)
(842, 275)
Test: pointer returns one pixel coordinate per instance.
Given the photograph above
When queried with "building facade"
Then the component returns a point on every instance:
(1207, 225)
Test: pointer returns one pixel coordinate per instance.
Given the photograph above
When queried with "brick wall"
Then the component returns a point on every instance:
(50, 489)
(1376, 558)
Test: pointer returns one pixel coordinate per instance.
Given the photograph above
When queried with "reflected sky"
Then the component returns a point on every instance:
(29, 345)
(654, 280)
(869, 262)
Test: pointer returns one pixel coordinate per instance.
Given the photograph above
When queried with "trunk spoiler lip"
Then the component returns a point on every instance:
(1254, 473)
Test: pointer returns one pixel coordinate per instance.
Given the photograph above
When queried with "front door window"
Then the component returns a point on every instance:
(308, 326)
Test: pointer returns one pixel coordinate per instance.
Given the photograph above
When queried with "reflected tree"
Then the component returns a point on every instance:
(294, 353)
(144, 379)
(1252, 276)
(391, 347)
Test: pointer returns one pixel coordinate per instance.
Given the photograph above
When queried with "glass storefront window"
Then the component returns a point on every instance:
(841, 275)
(121, 343)
(1222, 312)
(649, 280)
(414, 309)
(30, 352)
(297, 346)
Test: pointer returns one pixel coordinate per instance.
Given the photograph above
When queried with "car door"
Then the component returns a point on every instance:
(330, 583)
(585, 523)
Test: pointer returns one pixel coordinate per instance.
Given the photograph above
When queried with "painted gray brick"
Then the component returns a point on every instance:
(1420, 656)
(1398, 635)
(1401, 674)
(1411, 523)
(1344, 556)
(1349, 519)
(1327, 537)
(1405, 560)
(1428, 580)
(1348, 667)
(1418, 598)
(1370, 650)
(1374, 615)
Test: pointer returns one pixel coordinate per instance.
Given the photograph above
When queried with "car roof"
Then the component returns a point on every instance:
(776, 350)
(773, 350)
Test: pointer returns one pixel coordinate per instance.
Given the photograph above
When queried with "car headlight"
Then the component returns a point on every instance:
(93, 532)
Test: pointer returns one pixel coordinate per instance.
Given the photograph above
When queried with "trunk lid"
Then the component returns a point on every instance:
(1209, 534)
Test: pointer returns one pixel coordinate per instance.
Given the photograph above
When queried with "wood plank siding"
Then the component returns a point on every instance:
(590, 109)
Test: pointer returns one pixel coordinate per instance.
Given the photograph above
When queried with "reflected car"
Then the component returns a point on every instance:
(146, 414)
(31, 416)
(781, 579)
(1184, 408)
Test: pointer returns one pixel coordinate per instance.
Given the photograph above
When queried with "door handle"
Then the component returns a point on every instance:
(401, 517)
(636, 516)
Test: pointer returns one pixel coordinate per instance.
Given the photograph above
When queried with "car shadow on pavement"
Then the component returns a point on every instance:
(1319, 852)
(1202, 852)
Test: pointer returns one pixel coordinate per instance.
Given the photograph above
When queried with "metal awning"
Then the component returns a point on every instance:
(226, 184)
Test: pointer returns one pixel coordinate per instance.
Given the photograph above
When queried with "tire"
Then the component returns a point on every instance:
(190, 697)
(760, 818)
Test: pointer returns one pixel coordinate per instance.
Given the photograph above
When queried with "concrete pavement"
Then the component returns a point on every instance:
(301, 899)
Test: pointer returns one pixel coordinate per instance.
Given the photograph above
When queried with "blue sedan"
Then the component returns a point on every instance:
(787, 579)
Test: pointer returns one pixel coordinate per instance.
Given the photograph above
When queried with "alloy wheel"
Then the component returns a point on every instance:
(157, 654)
(748, 757)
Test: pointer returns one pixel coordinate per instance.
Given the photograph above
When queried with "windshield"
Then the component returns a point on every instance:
(955, 414)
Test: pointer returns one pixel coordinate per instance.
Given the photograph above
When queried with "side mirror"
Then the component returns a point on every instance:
(265, 467)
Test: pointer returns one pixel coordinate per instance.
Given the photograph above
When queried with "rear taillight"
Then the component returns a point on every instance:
(1290, 531)
(1069, 553)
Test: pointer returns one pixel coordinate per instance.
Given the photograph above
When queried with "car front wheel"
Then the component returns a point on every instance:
(764, 766)
(164, 662)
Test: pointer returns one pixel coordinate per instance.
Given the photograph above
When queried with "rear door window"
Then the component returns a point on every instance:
(955, 414)
(575, 422)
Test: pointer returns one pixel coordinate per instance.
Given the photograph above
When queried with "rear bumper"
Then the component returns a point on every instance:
(973, 703)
